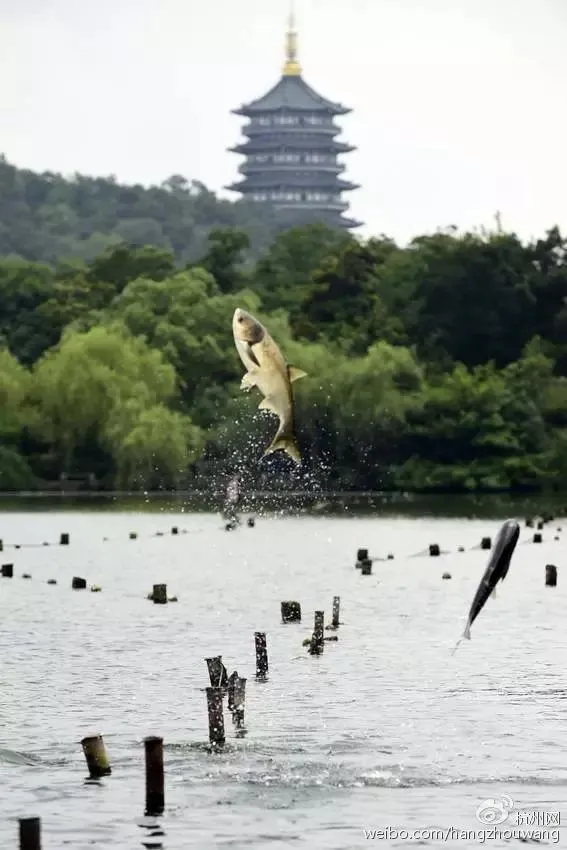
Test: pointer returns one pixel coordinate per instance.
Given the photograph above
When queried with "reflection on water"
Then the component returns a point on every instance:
(496, 505)
(385, 728)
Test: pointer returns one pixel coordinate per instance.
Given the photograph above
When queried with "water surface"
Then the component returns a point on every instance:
(385, 729)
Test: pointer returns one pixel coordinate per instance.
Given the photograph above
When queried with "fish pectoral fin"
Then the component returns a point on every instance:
(248, 381)
(268, 404)
(295, 374)
(251, 355)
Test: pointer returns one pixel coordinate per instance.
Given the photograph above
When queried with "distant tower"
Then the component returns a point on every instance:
(291, 152)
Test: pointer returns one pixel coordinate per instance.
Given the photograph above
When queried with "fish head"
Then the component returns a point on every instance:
(247, 329)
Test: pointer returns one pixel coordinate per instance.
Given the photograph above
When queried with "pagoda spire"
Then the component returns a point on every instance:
(291, 67)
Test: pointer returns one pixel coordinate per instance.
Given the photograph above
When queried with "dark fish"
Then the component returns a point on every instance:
(495, 571)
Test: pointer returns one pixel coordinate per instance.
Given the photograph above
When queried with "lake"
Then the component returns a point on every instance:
(386, 730)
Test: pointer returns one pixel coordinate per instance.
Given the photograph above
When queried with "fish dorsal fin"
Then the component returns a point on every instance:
(295, 374)
(267, 404)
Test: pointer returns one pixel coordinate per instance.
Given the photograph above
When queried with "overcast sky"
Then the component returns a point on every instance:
(459, 106)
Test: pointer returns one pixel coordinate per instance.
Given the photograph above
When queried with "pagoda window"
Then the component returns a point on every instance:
(262, 121)
(316, 120)
(286, 157)
(289, 120)
(317, 157)
(316, 196)
(259, 196)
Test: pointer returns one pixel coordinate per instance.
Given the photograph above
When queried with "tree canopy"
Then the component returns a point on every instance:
(441, 365)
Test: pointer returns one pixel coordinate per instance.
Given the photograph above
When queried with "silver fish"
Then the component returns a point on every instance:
(267, 369)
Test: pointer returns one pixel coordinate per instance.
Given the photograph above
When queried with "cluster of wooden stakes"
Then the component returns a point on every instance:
(221, 685)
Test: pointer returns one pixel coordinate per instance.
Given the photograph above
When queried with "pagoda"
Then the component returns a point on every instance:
(291, 150)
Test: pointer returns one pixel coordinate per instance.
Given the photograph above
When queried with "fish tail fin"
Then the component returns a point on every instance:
(456, 646)
(286, 443)
(467, 632)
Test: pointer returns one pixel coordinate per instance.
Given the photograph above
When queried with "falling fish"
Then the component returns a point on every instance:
(267, 370)
(496, 570)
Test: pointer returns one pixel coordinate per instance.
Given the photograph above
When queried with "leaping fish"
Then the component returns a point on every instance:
(496, 570)
(267, 369)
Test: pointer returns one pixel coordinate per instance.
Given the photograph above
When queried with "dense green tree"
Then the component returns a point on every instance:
(117, 266)
(224, 256)
(109, 386)
(283, 277)
(15, 416)
(24, 287)
(344, 299)
(186, 318)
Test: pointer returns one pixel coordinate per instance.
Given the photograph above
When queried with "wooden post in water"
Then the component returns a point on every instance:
(250, 522)
(486, 543)
(216, 716)
(30, 833)
(239, 702)
(217, 672)
(434, 550)
(159, 594)
(155, 796)
(366, 567)
(64, 540)
(550, 575)
(175, 530)
(540, 525)
(291, 612)
(1, 545)
(133, 535)
(230, 689)
(78, 583)
(537, 538)
(336, 610)
(96, 756)
(7, 570)
(261, 655)
(361, 555)
(318, 641)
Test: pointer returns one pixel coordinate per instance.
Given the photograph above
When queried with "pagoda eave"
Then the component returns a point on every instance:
(256, 145)
(248, 110)
(261, 183)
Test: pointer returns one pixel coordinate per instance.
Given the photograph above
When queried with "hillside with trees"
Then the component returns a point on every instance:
(47, 217)
(441, 365)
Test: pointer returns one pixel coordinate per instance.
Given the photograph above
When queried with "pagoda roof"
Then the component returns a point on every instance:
(311, 215)
(291, 93)
(271, 179)
(291, 141)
